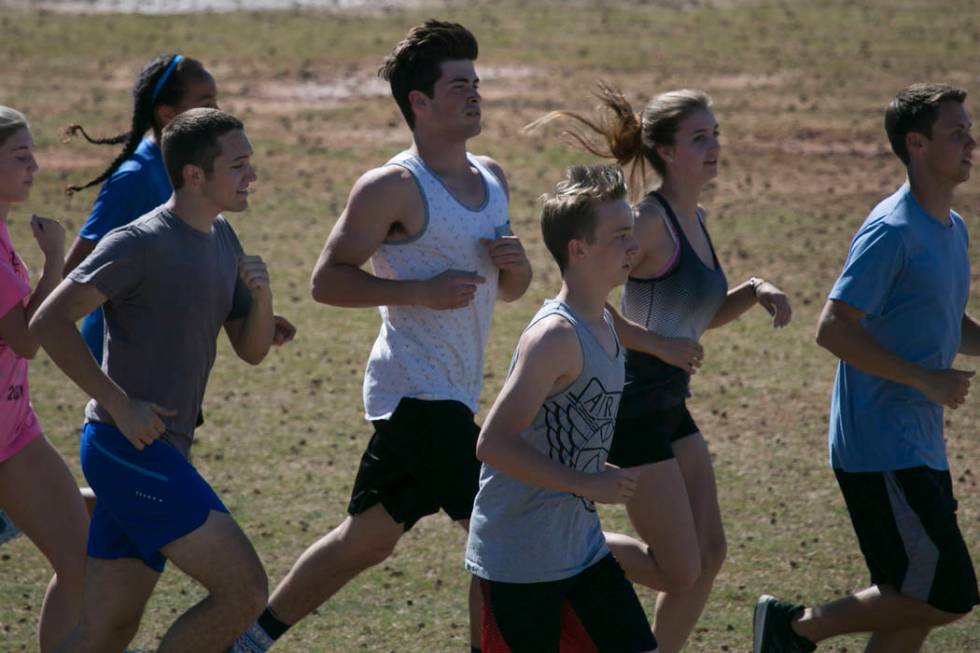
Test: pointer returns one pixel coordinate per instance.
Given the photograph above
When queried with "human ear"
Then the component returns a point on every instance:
(193, 175)
(164, 113)
(418, 100)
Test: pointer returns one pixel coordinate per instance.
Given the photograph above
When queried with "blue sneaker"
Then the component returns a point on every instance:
(8, 530)
(772, 630)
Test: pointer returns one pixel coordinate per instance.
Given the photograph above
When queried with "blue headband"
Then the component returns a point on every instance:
(164, 77)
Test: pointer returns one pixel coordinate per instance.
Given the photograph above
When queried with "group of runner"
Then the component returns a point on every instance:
(593, 409)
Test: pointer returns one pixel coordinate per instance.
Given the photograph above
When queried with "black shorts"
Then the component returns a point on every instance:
(420, 460)
(905, 521)
(649, 438)
(596, 610)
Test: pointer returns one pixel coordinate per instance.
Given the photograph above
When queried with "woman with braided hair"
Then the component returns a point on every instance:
(136, 180)
(676, 290)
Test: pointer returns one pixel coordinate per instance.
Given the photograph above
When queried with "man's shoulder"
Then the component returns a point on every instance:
(495, 168)
(551, 336)
(387, 178)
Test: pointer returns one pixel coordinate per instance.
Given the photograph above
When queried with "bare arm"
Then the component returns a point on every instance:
(54, 326)
(679, 352)
(14, 330)
(252, 336)
(840, 332)
(970, 336)
(746, 295)
(377, 200)
(549, 358)
(507, 252)
(79, 251)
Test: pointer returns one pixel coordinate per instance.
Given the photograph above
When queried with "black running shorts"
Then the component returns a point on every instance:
(420, 460)
(649, 437)
(595, 610)
(905, 521)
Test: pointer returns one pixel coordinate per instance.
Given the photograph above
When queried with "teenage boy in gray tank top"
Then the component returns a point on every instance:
(434, 224)
(535, 537)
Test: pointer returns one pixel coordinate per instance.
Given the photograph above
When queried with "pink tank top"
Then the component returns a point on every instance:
(16, 415)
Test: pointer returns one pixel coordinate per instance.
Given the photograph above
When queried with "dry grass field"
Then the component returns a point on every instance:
(799, 89)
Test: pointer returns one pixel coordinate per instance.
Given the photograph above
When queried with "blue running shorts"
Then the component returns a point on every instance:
(146, 499)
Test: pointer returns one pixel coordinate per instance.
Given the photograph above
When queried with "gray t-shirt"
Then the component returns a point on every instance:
(169, 290)
(522, 533)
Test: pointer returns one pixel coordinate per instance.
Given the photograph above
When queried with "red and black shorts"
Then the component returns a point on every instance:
(594, 611)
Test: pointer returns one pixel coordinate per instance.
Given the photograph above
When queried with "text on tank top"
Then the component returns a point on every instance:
(526, 533)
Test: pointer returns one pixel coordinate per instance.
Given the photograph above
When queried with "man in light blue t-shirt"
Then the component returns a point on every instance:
(897, 318)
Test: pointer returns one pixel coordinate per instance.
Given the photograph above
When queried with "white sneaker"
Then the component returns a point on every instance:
(8, 530)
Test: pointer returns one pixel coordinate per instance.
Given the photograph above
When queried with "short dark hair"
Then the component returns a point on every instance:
(414, 64)
(192, 138)
(915, 109)
(569, 213)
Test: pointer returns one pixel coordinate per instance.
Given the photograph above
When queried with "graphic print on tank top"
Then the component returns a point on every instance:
(580, 429)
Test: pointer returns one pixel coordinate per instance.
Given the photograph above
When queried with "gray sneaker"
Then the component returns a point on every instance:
(772, 631)
(253, 640)
(8, 530)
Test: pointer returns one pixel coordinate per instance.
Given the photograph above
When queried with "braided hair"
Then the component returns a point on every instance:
(146, 97)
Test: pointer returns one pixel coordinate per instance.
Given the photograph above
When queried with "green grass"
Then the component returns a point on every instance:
(798, 87)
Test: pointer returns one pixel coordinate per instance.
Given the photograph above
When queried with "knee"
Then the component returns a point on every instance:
(679, 578)
(936, 617)
(372, 554)
(713, 554)
(254, 595)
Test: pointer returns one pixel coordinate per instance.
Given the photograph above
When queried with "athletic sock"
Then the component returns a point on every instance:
(272, 625)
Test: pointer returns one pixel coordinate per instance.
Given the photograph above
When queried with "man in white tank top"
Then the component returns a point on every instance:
(434, 223)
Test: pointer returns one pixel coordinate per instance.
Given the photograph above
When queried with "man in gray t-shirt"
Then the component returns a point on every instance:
(156, 273)
(168, 283)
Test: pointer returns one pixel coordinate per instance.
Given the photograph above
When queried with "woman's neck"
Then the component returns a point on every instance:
(683, 198)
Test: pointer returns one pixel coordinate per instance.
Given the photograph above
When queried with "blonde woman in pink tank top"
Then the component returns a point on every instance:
(36, 488)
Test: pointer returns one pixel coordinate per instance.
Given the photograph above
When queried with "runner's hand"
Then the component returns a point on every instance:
(947, 387)
(50, 237)
(142, 421)
(506, 252)
(451, 289)
(680, 352)
(253, 273)
(285, 331)
(614, 485)
(776, 302)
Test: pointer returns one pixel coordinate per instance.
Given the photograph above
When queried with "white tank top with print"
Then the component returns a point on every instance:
(421, 352)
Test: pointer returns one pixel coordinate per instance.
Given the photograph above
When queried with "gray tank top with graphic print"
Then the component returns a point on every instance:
(522, 533)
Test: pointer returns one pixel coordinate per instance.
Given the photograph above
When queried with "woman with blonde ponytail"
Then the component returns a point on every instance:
(36, 488)
(676, 290)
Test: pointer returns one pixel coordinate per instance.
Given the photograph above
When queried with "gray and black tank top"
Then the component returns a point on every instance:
(679, 302)
(521, 533)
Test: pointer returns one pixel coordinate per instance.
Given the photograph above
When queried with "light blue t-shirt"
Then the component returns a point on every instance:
(139, 185)
(910, 275)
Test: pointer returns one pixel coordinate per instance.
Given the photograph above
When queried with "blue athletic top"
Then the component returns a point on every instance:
(139, 185)
(910, 275)
(679, 302)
